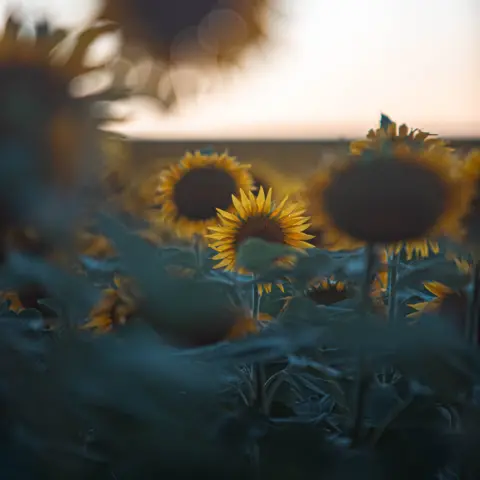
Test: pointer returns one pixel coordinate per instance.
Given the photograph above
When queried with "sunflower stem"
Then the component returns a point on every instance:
(393, 263)
(198, 251)
(364, 375)
(473, 315)
(260, 401)
(259, 380)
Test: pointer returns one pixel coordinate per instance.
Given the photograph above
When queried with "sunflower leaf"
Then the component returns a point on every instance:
(316, 263)
(385, 121)
(434, 269)
(258, 256)
(269, 345)
(382, 400)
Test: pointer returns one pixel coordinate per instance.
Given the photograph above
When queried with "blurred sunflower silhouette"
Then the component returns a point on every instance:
(117, 306)
(246, 325)
(191, 192)
(471, 221)
(26, 241)
(228, 325)
(13, 299)
(257, 217)
(37, 109)
(387, 199)
(94, 245)
(401, 141)
(210, 29)
(446, 302)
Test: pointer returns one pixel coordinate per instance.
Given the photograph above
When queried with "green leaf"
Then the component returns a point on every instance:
(257, 256)
(385, 121)
(381, 400)
(434, 269)
(316, 263)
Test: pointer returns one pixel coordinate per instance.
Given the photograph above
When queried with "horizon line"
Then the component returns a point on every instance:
(456, 138)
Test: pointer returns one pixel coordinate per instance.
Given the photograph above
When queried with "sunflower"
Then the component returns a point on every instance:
(216, 30)
(12, 297)
(385, 199)
(327, 291)
(228, 325)
(416, 248)
(191, 192)
(471, 221)
(446, 302)
(246, 325)
(27, 241)
(116, 307)
(37, 109)
(404, 140)
(93, 245)
(257, 217)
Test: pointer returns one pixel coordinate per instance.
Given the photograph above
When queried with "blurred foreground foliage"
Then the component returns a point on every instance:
(132, 404)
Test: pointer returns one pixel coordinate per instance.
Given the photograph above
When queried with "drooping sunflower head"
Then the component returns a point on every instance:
(212, 29)
(403, 139)
(191, 192)
(328, 291)
(257, 217)
(416, 248)
(471, 221)
(386, 199)
(447, 303)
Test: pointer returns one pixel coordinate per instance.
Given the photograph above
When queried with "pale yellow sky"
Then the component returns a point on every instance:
(333, 68)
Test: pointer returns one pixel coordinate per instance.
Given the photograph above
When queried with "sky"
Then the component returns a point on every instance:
(331, 68)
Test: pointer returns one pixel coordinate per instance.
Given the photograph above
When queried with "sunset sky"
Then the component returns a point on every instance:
(333, 67)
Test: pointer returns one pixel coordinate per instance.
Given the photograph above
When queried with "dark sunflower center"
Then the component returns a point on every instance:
(164, 20)
(260, 227)
(385, 200)
(471, 221)
(30, 96)
(327, 296)
(201, 191)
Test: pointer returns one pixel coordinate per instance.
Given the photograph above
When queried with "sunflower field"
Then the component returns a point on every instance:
(213, 319)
